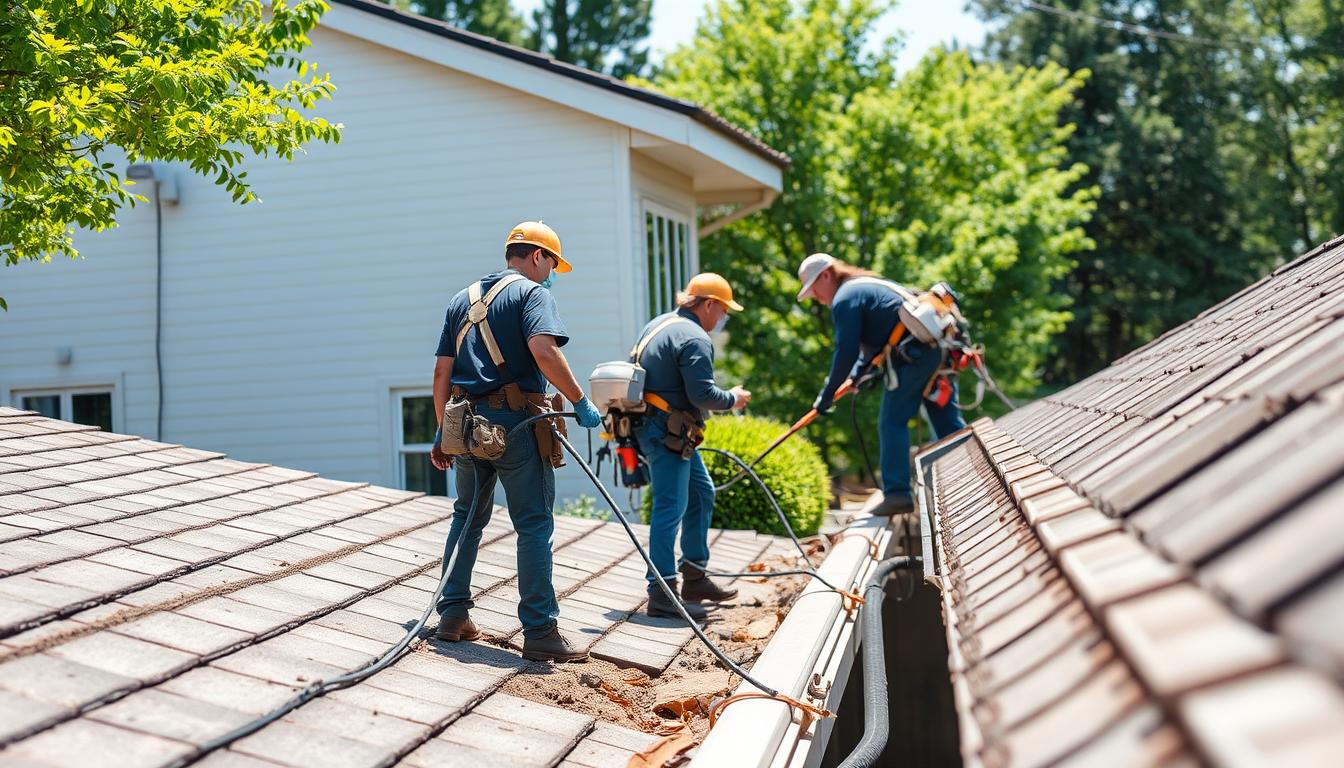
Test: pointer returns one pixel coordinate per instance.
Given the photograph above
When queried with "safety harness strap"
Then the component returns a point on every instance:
(638, 351)
(477, 314)
(899, 289)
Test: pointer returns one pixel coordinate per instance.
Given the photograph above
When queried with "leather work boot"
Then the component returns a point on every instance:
(895, 504)
(455, 628)
(552, 647)
(661, 607)
(696, 585)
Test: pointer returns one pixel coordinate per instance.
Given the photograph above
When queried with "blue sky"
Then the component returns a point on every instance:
(925, 22)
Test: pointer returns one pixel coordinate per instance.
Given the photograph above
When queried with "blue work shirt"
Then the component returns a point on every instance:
(522, 310)
(864, 315)
(679, 366)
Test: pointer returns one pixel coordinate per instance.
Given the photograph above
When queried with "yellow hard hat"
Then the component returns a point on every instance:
(542, 236)
(713, 286)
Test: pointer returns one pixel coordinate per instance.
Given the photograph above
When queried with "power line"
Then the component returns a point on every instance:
(1136, 29)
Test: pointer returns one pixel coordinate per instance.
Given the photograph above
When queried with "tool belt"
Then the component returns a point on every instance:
(685, 429)
(512, 397)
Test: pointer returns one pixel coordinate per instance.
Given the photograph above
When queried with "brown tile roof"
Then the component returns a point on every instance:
(1147, 567)
(154, 597)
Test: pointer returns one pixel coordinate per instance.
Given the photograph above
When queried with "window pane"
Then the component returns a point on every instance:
(650, 248)
(94, 409)
(418, 420)
(422, 476)
(47, 405)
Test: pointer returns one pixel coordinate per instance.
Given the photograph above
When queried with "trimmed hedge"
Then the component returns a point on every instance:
(794, 472)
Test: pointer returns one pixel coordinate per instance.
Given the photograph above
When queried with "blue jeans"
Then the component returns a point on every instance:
(899, 405)
(529, 492)
(683, 495)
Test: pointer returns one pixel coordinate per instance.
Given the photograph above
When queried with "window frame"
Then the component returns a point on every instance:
(661, 284)
(66, 392)
(400, 448)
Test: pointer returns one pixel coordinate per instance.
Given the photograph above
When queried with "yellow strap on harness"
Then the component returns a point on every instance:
(477, 314)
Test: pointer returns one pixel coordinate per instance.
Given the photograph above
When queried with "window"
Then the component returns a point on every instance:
(415, 434)
(92, 407)
(667, 247)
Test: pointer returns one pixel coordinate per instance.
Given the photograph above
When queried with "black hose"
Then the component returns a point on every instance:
(322, 687)
(779, 512)
(733, 666)
(876, 725)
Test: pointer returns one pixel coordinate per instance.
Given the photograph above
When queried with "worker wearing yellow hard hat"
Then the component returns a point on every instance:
(675, 351)
(499, 349)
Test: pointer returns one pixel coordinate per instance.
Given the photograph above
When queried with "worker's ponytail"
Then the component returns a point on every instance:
(845, 271)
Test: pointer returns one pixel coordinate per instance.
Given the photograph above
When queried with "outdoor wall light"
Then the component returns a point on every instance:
(165, 176)
(63, 355)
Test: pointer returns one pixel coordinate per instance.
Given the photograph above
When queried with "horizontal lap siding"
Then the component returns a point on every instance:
(285, 320)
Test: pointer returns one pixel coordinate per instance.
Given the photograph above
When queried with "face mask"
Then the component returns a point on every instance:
(547, 282)
(719, 326)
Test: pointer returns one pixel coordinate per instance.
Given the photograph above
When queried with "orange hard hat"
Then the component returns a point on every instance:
(542, 236)
(712, 286)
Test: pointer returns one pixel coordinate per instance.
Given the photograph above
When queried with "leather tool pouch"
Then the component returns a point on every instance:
(685, 433)
(463, 432)
(453, 431)
(550, 449)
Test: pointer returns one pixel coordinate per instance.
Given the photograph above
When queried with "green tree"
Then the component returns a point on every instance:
(955, 171)
(189, 82)
(492, 18)
(602, 35)
(1204, 125)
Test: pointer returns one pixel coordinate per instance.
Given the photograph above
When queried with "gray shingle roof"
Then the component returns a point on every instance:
(1147, 566)
(153, 597)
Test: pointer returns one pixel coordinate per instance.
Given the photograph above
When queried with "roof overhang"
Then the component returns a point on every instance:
(719, 157)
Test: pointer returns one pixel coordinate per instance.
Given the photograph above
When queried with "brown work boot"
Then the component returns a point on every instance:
(894, 504)
(455, 628)
(696, 585)
(662, 608)
(552, 647)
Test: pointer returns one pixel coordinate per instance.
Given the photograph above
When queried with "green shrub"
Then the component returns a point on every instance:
(794, 472)
(585, 507)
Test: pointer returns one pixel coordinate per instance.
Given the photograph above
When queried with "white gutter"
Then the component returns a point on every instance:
(741, 212)
(816, 637)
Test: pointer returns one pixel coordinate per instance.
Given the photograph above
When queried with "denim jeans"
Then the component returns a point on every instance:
(529, 493)
(683, 495)
(899, 405)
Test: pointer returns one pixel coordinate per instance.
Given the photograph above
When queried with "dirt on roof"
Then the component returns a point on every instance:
(684, 692)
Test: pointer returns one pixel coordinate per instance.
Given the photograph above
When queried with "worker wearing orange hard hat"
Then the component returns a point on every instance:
(499, 349)
(675, 351)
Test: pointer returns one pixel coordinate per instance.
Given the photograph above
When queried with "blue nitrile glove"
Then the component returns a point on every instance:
(823, 403)
(587, 412)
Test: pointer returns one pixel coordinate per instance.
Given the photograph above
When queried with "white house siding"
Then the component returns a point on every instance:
(286, 323)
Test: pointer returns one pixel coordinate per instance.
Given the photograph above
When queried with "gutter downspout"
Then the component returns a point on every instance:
(767, 198)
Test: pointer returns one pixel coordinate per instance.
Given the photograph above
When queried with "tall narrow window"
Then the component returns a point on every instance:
(415, 434)
(667, 249)
(90, 406)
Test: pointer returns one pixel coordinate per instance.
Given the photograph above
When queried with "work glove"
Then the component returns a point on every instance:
(587, 413)
(823, 403)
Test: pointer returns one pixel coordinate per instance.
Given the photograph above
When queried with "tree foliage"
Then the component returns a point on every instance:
(1216, 154)
(192, 82)
(602, 35)
(492, 18)
(956, 172)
